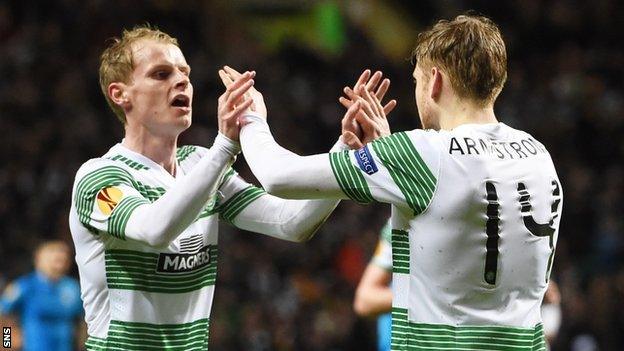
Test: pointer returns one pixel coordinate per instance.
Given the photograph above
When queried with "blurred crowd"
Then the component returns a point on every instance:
(565, 86)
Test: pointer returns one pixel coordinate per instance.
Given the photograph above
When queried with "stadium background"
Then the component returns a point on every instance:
(565, 86)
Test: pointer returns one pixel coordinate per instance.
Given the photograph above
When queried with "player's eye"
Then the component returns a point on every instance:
(161, 74)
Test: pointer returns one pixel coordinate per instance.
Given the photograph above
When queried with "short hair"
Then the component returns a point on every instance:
(117, 64)
(471, 51)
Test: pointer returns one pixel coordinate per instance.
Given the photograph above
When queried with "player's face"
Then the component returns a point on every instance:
(53, 261)
(422, 92)
(160, 93)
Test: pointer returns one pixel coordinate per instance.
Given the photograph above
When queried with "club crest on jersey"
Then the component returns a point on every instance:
(108, 198)
(183, 262)
(365, 160)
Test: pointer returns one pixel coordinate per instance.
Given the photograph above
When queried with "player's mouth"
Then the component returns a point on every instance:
(181, 101)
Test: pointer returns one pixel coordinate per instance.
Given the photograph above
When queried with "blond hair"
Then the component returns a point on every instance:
(117, 64)
(471, 51)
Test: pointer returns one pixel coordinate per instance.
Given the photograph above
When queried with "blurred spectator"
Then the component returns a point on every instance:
(46, 301)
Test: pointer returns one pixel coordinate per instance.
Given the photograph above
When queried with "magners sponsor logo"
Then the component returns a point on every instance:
(108, 198)
(180, 263)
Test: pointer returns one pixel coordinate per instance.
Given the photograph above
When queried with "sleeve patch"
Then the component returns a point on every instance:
(108, 198)
(365, 161)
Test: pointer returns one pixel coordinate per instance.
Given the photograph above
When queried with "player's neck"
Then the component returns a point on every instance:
(466, 113)
(158, 148)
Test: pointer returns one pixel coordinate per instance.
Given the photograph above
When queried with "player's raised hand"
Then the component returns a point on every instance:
(372, 84)
(352, 133)
(232, 104)
(371, 117)
(258, 107)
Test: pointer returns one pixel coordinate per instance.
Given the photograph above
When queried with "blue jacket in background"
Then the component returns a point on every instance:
(47, 310)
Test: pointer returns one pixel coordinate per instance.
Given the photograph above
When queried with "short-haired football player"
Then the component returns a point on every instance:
(144, 216)
(476, 204)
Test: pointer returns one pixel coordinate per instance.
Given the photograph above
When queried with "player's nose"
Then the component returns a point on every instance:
(182, 81)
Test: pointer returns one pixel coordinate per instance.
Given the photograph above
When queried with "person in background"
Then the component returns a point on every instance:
(373, 296)
(46, 301)
(551, 312)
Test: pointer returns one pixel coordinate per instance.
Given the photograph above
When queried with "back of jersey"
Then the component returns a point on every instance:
(480, 254)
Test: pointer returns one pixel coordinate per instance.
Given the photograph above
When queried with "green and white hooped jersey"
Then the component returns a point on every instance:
(475, 218)
(137, 297)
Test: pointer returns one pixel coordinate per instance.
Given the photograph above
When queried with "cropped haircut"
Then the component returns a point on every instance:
(117, 64)
(471, 51)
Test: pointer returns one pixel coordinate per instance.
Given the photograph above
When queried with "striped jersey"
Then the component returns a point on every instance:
(475, 218)
(137, 297)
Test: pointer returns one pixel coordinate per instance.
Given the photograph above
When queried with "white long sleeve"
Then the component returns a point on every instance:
(292, 220)
(282, 172)
(160, 222)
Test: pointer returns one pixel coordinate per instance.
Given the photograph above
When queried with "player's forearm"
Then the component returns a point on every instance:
(292, 220)
(373, 301)
(158, 223)
(282, 172)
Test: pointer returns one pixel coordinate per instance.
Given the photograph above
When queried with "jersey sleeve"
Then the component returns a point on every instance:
(236, 195)
(105, 195)
(400, 169)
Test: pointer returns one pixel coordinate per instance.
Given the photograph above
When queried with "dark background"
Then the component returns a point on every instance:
(566, 69)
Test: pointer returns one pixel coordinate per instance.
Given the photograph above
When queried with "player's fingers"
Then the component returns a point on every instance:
(389, 107)
(239, 82)
(345, 102)
(363, 77)
(373, 81)
(383, 89)
(365, 119)
(236, 95)
(225, 78)
(373, 107)
(352, 111)
(377, 106)
(350, 92)
(232, 72)
(351, 140)
(236, 112)
(235, 74)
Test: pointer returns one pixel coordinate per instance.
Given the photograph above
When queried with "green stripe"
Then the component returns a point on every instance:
(400, 251)
(152, 193)
(182, 153)
(407, 335)
(121, 214)
(133, 336)
(132, 164)
(231, 208)
(350, 178)
(135, 270)
(407, 169)
(88, 187)
(95, 344)
(230, 172)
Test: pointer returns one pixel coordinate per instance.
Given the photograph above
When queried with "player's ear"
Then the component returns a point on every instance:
(435, 82)
(117, 92)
